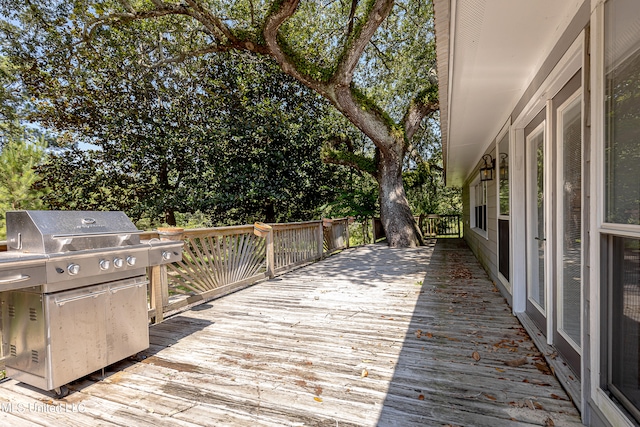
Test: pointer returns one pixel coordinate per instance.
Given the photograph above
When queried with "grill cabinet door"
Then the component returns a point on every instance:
(77, 330)
(127, 319)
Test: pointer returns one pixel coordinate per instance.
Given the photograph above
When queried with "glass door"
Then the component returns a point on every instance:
(536, 223)
(568, 236)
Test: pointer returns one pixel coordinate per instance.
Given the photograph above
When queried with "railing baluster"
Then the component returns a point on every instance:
(222, 259)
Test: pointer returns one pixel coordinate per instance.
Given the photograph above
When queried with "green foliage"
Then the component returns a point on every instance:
(160, 143)
(424, 175)
(358, 198)
(360, 162)
(18, 178)
(9, 101)
(232, 138)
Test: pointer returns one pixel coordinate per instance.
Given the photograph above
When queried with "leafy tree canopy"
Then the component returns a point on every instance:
(371, 59)
(232, 137)
(18, 179)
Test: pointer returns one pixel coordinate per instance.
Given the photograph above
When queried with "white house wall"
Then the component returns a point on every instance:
(474, 120)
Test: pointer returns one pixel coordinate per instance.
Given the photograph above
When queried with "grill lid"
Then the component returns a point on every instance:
(65, 231)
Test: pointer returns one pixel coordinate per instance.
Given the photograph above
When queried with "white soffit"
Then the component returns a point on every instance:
(497, 47)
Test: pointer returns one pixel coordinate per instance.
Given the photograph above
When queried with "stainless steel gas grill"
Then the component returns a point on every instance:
(73, 295)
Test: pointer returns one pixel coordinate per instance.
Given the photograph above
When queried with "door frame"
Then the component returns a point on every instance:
(559, 219)
(539, 314)
(539, 99)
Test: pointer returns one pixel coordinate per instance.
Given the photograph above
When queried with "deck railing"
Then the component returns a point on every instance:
(430, 225)
(295, 244)
(336, 234)
(220, 260)
(440, 226)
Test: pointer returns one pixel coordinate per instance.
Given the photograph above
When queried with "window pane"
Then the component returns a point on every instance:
(625, 318)
(572, 219)
(503, 165)
(622, 111)
(537, 217)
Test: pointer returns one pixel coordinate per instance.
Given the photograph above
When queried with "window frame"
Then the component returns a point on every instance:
(600, 257)
(473, 206)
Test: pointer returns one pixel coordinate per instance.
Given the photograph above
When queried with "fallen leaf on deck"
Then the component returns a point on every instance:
(421, 397)
(418, 333)
(476, 356)
(538, 382)
(542, 367)
(317, 399)
(516, 362)
(556, 397)
(364, 373)
(488, 396)
(549, 423)
(367, 361)
(428, 335)
(499, 369)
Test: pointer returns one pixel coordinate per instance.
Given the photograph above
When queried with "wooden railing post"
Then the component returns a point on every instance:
(320, 239)
(158, 286)
(264, 230)
(271, 259)
(373, 228)
(347, 232)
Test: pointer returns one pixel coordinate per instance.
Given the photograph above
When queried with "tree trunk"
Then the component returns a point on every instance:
(269, 213)
(170, 217)
(398, 222)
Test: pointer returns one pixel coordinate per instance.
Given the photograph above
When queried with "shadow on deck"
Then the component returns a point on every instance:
(370, 337)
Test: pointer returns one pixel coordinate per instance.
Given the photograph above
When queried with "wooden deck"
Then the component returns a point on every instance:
(372, 336)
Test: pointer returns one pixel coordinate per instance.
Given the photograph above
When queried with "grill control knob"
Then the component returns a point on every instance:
(166, 255)
(118, 262)
(73, 269)
(104, 264)
(131, 261)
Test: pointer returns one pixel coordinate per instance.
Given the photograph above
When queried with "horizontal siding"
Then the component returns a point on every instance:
(485, 249)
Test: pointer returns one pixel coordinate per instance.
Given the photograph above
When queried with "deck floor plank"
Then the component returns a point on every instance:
(372, 336)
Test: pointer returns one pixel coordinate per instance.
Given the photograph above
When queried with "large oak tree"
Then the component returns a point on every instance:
(371, 59)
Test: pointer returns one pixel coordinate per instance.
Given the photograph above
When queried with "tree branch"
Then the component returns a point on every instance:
(331, 153)
(352, 160)
(424, 104)
(378, 11)
(352, 14)
(211, 22)
(127, 6)
(225, 39)
(280, 12)
(122, 17)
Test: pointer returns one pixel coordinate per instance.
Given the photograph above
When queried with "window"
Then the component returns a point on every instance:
(622, 201)
(622, 112)
(503, 197)
(624, 318)
(503, 173)
(479, 202)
